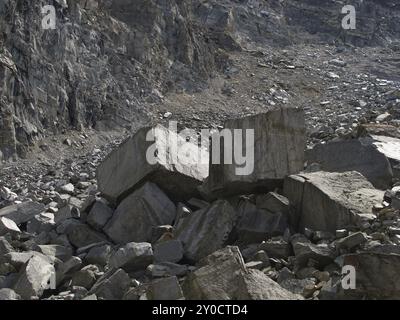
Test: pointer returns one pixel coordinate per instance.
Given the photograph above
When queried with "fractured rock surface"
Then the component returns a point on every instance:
(330, 201)
(276, 150)
(143, 209)
(135, 160)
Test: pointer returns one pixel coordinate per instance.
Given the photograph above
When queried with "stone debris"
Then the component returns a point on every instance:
(283, 233)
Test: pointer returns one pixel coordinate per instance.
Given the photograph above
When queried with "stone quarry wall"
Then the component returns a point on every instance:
(106, 59)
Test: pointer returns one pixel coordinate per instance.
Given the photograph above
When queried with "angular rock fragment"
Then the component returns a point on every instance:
(18, 259)
(8, 226)
(304, 251)
(133, 256)
(57, 251)
(43, 222)
(353, 155)
(257, 265)
(82, 236)
(8, 281)
(377, 276)
(296, 286)
(206, 230)
(223, 276)
(35, 277)
(273, 202)
(66, 212)
(168, 251)
(5, 246)
(390, 147)
(99, 215)
(177, 173)
(328, 201)
(112, 285)
(86, 277)
(99, 255)
(378, 129)
(276, 249)
(8, 294)
(351, 241)
(23, 212)
(279, 151)
(160, 233)
(138, 213)
(165, 289)
(256, 224)
(166, 269)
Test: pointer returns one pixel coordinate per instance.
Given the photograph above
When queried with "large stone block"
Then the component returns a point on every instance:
(390, 147)
(34, 278)
(326, 201)
(224, 276)
(377, 276)
(353, 155)
(22, 212)
(176, 171)
(276, 151)
(206, 230)
(134, 218)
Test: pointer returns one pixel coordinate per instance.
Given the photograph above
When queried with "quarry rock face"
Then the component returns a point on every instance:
(102, 199)
(275, 150)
